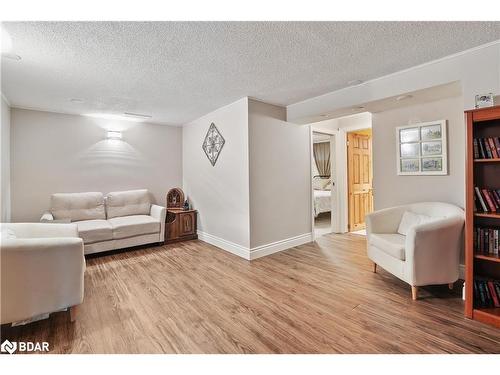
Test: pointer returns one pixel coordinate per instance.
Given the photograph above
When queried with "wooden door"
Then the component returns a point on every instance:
(359, 171)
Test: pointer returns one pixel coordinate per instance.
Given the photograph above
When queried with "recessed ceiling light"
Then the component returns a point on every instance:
(76, 100)
(403, 97)
(11, 56)
(355, 82)
(136, 115)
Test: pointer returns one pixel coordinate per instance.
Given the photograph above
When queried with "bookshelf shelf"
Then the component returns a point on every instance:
(488, 316)
(484, 174)
(486, 214)
(486, 160)
(492, 258)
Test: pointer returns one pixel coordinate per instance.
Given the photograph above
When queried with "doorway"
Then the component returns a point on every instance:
(322, 185)
(338, 130)
(359, 179)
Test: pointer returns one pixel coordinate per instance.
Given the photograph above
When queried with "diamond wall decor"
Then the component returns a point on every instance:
(213, 143)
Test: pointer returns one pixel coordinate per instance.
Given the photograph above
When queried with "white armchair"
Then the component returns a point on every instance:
(428, 253)
(42, 268)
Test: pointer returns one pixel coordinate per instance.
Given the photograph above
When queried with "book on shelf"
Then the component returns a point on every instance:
(486, 241)
(486, 293)
(487, 200)
(486, 148)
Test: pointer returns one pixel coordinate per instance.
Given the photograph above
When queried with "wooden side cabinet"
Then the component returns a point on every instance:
(180, 225)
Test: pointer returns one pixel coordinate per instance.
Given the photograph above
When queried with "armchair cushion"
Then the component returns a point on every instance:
(391, 244)
(91, 231)
(126, 203)
(78, 206)
(411, 219)
(129, 226)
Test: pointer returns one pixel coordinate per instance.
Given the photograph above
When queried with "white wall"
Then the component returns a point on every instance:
(391, 189)
(280, 179)
(478, 70)
(5, 163)
(52, 152)
(220, 192)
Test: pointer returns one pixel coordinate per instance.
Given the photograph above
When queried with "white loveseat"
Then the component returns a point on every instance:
(42, 268)
(423, 249)
(121, 219)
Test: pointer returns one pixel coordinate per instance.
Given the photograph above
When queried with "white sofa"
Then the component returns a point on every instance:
(42, 267)
(423, 249)
(122, 219)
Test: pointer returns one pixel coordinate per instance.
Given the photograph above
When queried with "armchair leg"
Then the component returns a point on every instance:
(374, 267)
(73, 312)
(414, 292)
(450, 286)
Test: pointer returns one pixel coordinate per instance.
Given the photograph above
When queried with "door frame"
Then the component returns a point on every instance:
(340, 194)
(333, 197)
(341, 176)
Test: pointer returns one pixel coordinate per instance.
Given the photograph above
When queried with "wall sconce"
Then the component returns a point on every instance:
(112, 134)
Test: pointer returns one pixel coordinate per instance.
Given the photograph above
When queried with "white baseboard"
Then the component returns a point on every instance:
(234, 248)
(274, 247)
(256, 252)
(461, 271)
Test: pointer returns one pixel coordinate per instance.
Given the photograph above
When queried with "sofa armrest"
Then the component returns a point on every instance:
(47, 272)
(42, 230)
(47, 216)
(433, 251)
(159, 213)
(384, 221)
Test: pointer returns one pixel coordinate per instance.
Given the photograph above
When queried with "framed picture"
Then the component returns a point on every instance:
(409, 150)
(432, 164)
(421, 149)
(432, 148)
(431, 132)
(409, 135)
(485, 100)
(410, 165)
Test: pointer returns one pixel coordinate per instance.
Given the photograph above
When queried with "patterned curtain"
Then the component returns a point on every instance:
(321, 153)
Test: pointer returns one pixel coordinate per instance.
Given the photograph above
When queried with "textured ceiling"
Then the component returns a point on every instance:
(178, 71)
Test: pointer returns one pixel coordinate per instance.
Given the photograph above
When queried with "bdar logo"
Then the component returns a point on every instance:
(9, 347)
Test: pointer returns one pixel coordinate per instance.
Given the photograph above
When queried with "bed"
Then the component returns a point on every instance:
(322, 195)
(322, 201)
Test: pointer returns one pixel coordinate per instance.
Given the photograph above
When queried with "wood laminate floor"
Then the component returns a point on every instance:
(316, 298)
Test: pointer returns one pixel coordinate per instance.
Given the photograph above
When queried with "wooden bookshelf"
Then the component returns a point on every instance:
(484, 173)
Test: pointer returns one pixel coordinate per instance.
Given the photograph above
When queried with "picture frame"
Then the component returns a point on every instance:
(484, 100)
(422, 149)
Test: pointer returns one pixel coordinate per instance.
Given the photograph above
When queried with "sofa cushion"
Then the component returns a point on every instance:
(136, 225)
(392, 244)
(77, 206)
(91, 231)
(126, 203)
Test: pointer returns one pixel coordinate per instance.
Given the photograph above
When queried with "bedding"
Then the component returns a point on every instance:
(322, 201)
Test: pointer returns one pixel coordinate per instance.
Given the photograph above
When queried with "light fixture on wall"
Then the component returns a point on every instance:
(113, 134)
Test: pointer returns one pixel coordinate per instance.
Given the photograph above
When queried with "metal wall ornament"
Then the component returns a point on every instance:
(213, 143)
